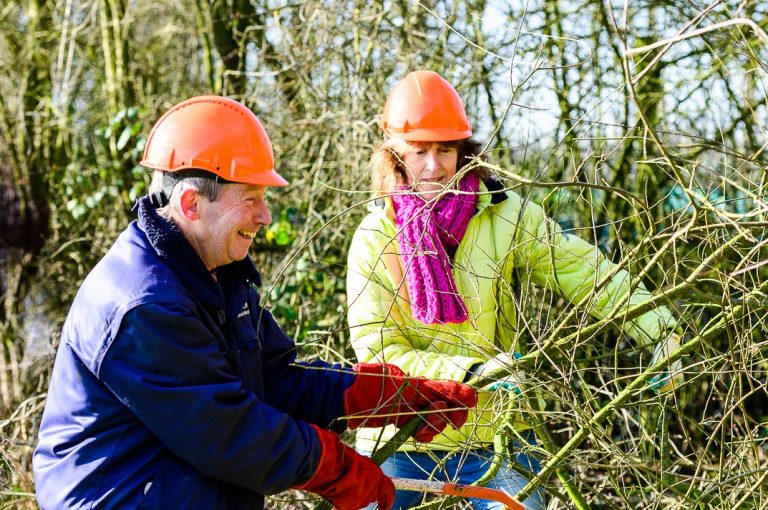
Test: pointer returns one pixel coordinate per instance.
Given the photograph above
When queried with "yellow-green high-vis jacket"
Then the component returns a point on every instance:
(511, 237)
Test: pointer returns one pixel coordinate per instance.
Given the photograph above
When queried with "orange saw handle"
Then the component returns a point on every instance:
(458, 489)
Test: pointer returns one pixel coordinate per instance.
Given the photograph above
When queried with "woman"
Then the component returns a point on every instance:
(429, 274)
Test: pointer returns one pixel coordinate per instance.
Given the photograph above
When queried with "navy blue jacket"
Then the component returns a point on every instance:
(170, 390)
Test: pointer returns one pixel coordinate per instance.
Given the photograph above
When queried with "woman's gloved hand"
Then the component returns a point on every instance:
(348, 480)
(672, 377)
(513, 381)
(382, 394)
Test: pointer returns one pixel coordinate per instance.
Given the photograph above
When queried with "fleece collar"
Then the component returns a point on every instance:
(171, 246)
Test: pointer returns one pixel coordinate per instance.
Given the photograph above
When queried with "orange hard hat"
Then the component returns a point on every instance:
(215, 134)
(424, 107)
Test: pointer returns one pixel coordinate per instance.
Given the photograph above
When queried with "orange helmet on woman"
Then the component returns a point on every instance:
(215, 134)
(424, 107)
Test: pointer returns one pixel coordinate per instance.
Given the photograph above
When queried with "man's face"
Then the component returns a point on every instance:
(227, 227)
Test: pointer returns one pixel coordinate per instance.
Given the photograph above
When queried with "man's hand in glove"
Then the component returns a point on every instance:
(382, 394)
(348, 480)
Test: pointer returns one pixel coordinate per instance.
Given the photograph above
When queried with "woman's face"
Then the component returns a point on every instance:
(429, 166)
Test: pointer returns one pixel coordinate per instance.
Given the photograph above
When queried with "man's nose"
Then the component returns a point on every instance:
(262, 215)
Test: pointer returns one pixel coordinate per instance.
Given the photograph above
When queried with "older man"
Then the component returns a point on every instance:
(173, 387)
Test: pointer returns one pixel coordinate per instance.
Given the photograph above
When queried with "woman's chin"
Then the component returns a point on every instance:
(430, 191)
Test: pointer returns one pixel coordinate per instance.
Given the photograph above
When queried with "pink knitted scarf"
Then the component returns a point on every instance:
(428, 232)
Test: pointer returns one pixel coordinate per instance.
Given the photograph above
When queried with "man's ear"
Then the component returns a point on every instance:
(189, 204)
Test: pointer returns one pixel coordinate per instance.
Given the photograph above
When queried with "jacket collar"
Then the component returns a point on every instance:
(169, 243)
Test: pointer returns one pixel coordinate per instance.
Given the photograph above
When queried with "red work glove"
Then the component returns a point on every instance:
(347, 479)
(383, 394)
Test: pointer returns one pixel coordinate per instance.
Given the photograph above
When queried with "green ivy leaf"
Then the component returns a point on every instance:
(125, 137)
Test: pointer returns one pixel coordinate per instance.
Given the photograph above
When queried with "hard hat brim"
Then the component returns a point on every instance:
(432, 135)
(269, 178)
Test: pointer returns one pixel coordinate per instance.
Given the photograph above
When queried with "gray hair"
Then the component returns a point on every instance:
(209, 187)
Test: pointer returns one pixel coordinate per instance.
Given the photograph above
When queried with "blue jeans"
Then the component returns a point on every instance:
(461, 467)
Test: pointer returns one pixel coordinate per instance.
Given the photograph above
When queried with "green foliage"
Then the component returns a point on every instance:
(310, 297)
(88, 187)
(281, 231)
